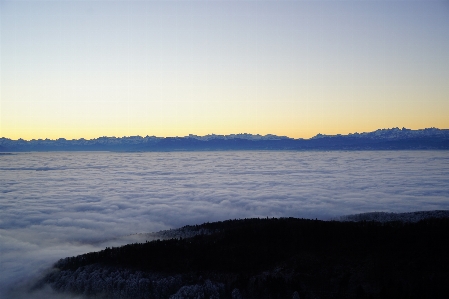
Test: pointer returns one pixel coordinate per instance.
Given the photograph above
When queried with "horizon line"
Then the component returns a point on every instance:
(232, 134)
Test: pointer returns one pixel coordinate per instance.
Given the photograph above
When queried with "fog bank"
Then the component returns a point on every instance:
(55, 205)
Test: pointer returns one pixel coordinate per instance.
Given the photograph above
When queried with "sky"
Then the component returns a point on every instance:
(87, 69)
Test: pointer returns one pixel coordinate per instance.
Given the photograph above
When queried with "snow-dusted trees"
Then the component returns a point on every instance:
(271, 258)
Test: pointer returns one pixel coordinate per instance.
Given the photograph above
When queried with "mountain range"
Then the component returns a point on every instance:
(381, 139)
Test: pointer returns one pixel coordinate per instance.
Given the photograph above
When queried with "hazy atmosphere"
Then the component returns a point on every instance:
(86, 69)
(61, 204)
(85, 72)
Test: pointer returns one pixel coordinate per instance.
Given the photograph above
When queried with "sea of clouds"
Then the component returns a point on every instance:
(59, 204)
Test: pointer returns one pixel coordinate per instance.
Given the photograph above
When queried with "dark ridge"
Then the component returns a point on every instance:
(271, 258)
(382, 139)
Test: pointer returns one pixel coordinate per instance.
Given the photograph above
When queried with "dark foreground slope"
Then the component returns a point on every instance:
(271, 258)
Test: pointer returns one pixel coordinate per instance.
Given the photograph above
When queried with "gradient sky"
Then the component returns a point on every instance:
(169, 68)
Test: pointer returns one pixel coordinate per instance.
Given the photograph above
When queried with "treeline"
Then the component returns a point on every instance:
(274, 258)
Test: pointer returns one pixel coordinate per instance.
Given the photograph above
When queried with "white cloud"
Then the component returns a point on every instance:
(86, 201)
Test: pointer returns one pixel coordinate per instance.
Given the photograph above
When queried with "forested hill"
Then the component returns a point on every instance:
(382, 139)
(270, 258)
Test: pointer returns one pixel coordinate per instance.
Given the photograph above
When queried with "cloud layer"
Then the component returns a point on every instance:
(61, 204)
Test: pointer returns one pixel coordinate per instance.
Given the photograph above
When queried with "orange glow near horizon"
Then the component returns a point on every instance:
(175, 132)
(86, 69)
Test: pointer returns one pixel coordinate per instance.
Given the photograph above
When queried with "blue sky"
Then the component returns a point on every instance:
(170, 68)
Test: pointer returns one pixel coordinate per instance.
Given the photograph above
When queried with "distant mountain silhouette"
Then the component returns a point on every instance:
(382, 139)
